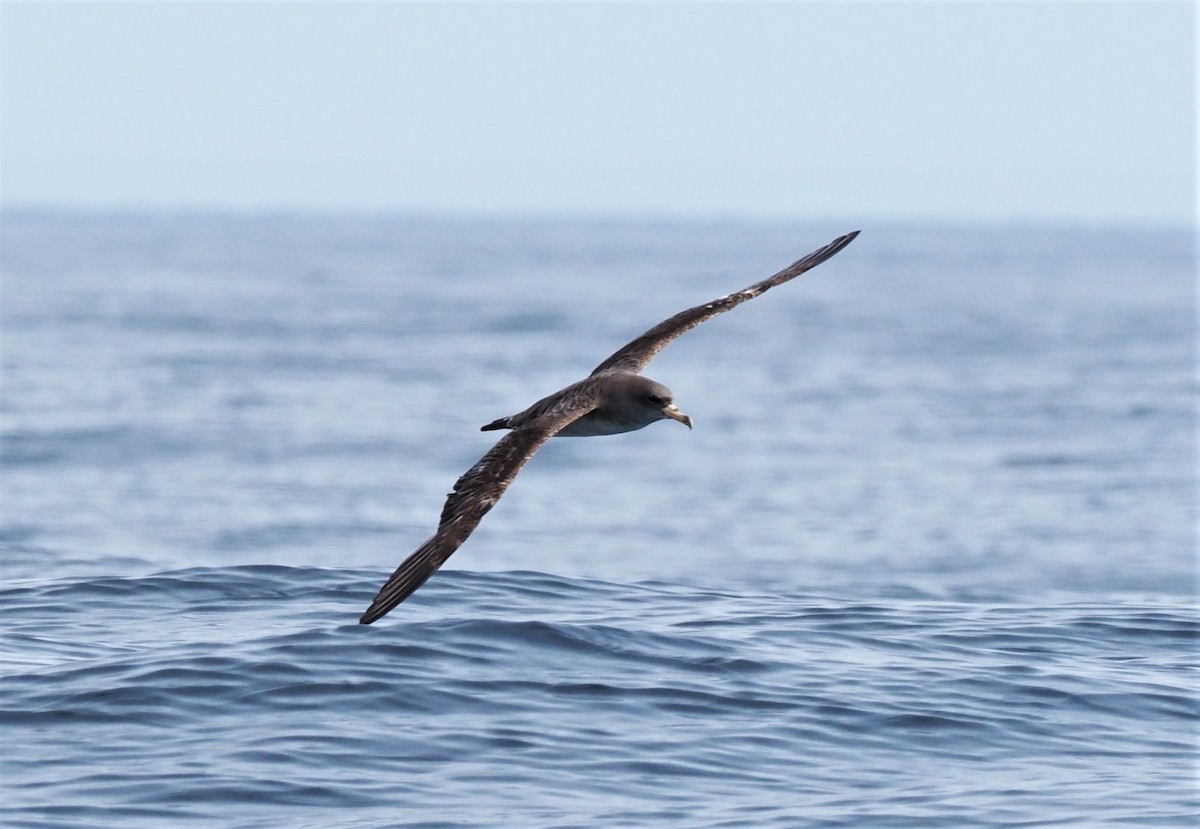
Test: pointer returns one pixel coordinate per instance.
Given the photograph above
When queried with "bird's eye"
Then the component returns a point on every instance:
(655, 400)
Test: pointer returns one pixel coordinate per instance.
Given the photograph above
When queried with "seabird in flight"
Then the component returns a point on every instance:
(614, 398)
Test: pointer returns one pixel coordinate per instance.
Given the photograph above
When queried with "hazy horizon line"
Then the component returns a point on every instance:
(576, 216)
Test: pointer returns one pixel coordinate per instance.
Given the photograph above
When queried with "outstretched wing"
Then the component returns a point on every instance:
(634, 356)
(474, 494)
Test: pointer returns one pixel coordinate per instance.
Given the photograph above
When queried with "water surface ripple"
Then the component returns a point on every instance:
(526, 699)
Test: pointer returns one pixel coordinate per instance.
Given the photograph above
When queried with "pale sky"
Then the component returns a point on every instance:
(1076, 112)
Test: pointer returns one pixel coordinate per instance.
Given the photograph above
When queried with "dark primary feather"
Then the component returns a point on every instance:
(634, 356)
(474, 494)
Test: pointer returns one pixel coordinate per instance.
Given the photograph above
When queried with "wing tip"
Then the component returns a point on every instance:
(375, 613)
(378, 609)
(845, 239)
(829, 251)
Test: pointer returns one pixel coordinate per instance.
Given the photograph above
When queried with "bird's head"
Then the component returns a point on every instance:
(657, 400)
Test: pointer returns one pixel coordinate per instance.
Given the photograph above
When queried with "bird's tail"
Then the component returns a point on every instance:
(502, 423)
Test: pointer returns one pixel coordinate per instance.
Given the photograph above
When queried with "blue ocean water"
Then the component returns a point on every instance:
(926, 560)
